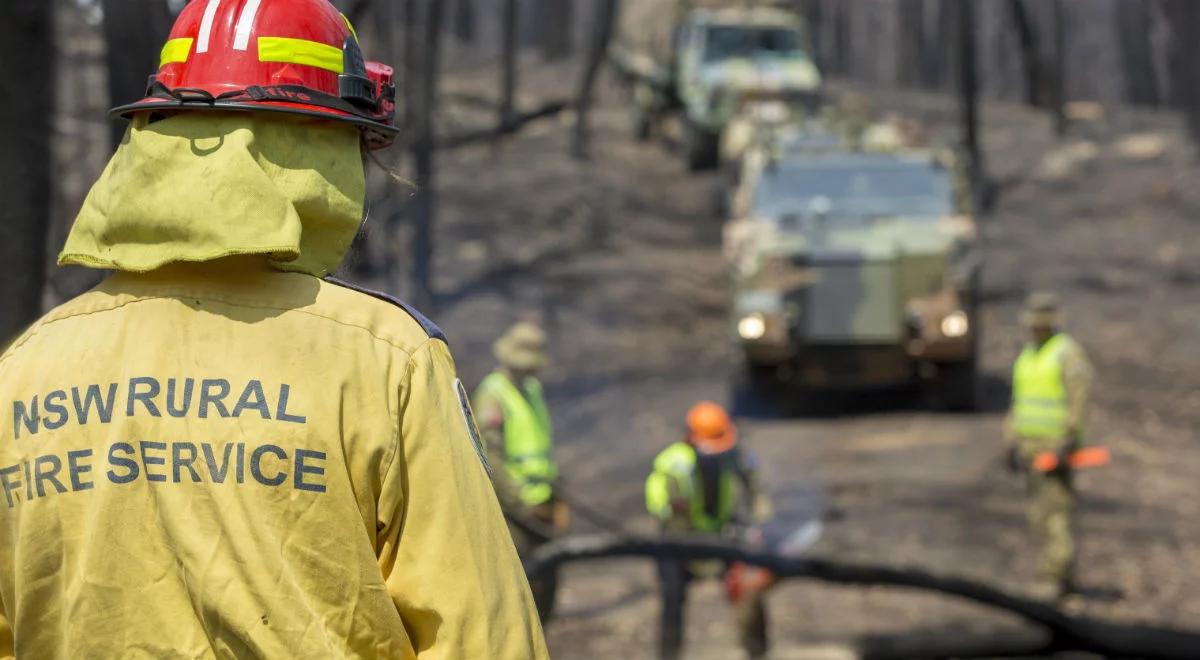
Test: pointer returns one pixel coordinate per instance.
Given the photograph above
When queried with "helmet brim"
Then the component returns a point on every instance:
(716, 445)
(379, 134)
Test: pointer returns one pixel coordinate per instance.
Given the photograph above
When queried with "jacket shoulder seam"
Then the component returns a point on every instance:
(431, 329)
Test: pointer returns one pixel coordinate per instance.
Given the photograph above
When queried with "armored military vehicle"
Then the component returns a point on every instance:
(854, 269)
(702, 64)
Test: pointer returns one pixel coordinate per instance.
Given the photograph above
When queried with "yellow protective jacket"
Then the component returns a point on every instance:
(220, 459)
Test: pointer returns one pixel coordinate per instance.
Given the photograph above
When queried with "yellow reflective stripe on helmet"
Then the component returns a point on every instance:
(176, 50)
(351, 26)
(300, 51)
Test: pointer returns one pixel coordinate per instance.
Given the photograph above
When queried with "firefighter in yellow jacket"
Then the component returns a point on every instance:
(516, 427)
(707, 484)
(217, 453)
(1052, 380)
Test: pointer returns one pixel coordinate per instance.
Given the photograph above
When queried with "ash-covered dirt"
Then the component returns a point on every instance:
(619, 256)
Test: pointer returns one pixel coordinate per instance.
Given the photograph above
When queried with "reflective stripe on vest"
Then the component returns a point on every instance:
(676, 465)
(1039, 397)
(528, 439)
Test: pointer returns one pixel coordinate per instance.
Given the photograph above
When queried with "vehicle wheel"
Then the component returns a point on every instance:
(957, 386)
(642, 125)
(703, 148)
(754, 391)
(720, 202)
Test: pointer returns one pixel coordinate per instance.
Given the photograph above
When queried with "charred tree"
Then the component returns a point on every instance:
(1027, 42)
(410, 82)
(557, 23)
(423, 151)
(508, 61)
(842, 49)
(932, 55)
(1184, 18)
(135, 31)
(814, 17)
(603, 25)
(1133, 34)
(464, 20)
(909, 26)
(1057, 97)
(27, 82)
(968, 93)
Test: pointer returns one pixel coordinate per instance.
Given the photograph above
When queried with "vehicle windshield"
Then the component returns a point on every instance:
(726, 42)
(855, 189)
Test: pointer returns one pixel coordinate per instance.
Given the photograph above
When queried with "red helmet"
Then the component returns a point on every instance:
(294, 56)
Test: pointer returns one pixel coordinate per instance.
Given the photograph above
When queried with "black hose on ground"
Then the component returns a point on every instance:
(1067, 632)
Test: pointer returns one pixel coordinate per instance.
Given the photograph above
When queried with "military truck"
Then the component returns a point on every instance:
(700, 62)
(854, 269)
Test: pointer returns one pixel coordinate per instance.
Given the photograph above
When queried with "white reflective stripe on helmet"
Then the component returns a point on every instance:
(245, 24)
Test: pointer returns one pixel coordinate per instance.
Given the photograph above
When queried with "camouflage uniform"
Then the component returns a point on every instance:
(534, 514)
(1051, 496)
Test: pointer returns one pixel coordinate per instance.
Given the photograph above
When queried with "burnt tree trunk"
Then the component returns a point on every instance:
(842, 48)
(968, 91)
(811, 11)
(27, 83)
(135, 31)
(603, 25)
(1057, 97)
(464, 20)
(931, 45)
(410, 82)
(557, 23)
(1133, 34)
(1027, 42)
(508, 61)
(423, 153)
(1184, 18)
(909, 22)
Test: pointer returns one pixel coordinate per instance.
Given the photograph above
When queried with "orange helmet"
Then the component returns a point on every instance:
(709, 428)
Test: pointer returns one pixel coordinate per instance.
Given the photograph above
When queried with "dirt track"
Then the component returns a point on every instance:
(620, 258)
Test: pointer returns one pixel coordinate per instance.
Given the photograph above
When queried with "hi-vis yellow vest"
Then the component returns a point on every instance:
(528, 437)
(1039, 396)
(676, 466)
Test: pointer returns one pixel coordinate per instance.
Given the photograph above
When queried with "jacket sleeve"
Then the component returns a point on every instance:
(7, 650)
(1077, 382)
(445, 552)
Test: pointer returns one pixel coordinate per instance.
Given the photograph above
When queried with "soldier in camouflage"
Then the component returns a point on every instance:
(1052, 379)
(514, 421)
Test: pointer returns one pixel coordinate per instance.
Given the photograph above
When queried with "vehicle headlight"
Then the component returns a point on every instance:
(955, 324)
(752, 326)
